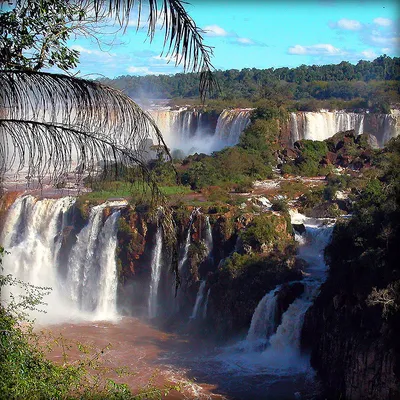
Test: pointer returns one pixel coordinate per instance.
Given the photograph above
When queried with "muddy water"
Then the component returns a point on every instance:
(202, 370)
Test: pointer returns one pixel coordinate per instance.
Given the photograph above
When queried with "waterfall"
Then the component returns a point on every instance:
(31, 236)
(209, 238)
(194, 131)
(156, 263)
(324, 124)
(263, 321)
(275, 350)
(188, 239)
(108, 282)
(286, 340)
(84, 282)
(206, 304)
(199, 299)
(231, 123)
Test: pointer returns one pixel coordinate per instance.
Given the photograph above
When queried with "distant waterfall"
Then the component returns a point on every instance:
(231, 123)
(156, 263)
(196, 131)
(324, 124)
(209, 238)
(199, 300)
(33, 234)
(263, 321)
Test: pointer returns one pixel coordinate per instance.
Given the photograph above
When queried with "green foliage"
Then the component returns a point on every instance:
(34, 34)
(266, 229)
(25, 371)
(371, 84)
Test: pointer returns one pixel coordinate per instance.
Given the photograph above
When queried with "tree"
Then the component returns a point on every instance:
(47, 120)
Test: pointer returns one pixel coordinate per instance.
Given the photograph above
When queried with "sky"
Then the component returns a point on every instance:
(259, 34)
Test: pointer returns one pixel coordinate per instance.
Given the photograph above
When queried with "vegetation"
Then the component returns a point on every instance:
(368, 84)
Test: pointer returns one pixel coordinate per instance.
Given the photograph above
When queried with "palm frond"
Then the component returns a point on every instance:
(183, 39)
(52, 124)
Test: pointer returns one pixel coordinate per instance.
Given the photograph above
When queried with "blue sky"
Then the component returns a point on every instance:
(260, 34)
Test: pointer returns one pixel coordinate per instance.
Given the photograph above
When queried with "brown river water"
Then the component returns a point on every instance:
(201, 369)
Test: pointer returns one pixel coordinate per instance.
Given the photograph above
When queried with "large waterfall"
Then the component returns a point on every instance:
(324, 124)
(275, 349)
(194, 131)
(84, 283)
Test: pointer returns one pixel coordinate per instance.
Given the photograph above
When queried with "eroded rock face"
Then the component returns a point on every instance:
(355, 351)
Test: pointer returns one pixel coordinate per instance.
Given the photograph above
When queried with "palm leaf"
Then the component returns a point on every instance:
(50, 124)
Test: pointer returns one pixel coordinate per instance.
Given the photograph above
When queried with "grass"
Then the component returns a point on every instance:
(130, 191)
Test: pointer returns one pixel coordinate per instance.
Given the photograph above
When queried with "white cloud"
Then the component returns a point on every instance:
(140, 70)
(245, 41)
(214, 30)
(369, 54)
(323, 49)
(383, 21)
(349, 24)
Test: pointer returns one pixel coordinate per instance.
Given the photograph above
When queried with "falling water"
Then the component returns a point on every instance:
(108, 282)
(324, 124)
(206, 304)
(190, 131)
(33, 235)
(263, 321)
(231, 123)
(209, 238)
(199, 299)
(156, 263)
(187, 241)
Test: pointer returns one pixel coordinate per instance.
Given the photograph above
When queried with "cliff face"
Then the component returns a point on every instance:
(352, 329)
(354, 349)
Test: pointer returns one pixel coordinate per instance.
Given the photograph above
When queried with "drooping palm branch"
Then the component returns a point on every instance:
(183, 39)
(51, 124)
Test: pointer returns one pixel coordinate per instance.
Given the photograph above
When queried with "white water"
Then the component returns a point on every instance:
(209, 238)
(33, 235)
(188, 240)
(156, 263)
(199, 300)
(263, 321)
(188, 131)
(324, 124)
(282, 357)
(231, 123)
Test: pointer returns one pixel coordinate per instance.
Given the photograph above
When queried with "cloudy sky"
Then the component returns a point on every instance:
(260, 34)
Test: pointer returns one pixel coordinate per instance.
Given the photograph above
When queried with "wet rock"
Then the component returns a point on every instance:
(299, 228)
(285, 297)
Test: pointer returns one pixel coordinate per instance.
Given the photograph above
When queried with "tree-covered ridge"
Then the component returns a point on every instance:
(342, 81)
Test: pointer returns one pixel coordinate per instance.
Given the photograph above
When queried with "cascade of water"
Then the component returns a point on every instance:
(206, 304)
(187, 241)
(30, 235)
(91, 260)
(286, 340)
(156, 263)
(263, 321)
(231, 123)
(209, 238)
(108, 281)
(324, 124)
(33, 234)
(199, 299)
